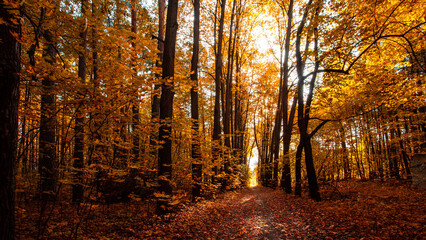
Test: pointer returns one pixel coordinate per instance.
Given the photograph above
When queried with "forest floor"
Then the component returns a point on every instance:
(349, 210)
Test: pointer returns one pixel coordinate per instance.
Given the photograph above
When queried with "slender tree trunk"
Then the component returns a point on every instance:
(298, 187)
(47, 138)
(303, 110)
(217, 130)
(227, 115)
(393, 155)
(166, 107)
(276, 136)
(235, 54)
(77, 189)
(135, 105)
(238, 119)
(197, 167)
(96, 96)
(10, 65)
(155, 107)
(404, 154)
(23, 147)
(287, 120)
(345, 153)
(218, 76)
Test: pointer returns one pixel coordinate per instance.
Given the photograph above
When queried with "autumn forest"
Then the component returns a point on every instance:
(212, 119)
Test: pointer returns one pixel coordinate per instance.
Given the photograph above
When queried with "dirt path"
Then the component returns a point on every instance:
(263, 213)
(244, 215)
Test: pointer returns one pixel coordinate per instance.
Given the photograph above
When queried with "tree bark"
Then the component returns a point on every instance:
(218, 76)
(298, 187)
(217, 129)
(287, 119)
(10, 52)
(227, 115)
(166, 107)
(155, 106)
(197, 167)
(135, 105)
(303, 110)
(77, 189)
(96, 96)
(47, 138)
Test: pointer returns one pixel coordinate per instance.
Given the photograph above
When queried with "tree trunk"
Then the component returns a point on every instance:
(135, 105)
(155, 106)
(217, 130)
(393, 154)
(96, 96)
(166, 107)
(10, 51)
(303, 110)
(227, 115)
(218, 77)
(298, 187)
(404, 154)
(310, 170)
(47, 138)
(345, 153)
(238, 119)
(197, 167)
(287, 120)
(77, 189)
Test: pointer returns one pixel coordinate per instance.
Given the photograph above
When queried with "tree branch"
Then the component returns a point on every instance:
(318, 128)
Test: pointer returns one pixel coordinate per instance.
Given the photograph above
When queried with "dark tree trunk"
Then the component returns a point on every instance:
(77, 189)
(303, 110)
(287, 120)
(218, 76)
(345, 153)
(10, 51)
(227, 100)
(404, 154)
(166, 107)
(47, 139)
(155, 106)
(298, 187)
(135, 105)
(310, 171)
(96, 96)
(235, 128)
(227, 115)
(22, 152)
(217, 130)
(197, 167)
(238, 131)
(276, 136)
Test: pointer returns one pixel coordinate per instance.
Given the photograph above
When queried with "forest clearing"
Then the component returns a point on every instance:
(212, 119)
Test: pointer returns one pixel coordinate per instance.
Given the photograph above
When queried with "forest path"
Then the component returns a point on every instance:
(248, 214)
(359, 210)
